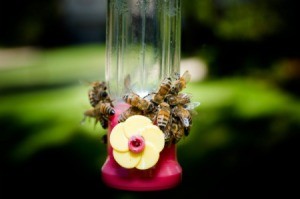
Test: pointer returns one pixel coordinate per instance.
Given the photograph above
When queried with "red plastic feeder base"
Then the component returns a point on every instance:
(166, 174)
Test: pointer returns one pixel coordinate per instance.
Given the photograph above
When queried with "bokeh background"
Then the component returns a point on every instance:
(245, 61)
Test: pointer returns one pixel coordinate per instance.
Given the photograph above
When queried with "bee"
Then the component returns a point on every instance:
(151, 115)
(97, 92)
(139, 102)
(163, 115)
(103, 119)
(168, 134)
(104, 109)
(180, 99)
(183, 114)
(180, 83)
(129, 112)
(187, 130)
(102, 106)
(163, 90)
(101, 113)
(167, 131)
(177, 131)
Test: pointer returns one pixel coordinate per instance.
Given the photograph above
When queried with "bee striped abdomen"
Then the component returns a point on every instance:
(103, 121)
(129, 112)
(138, 102)
(177, 132)
(162, 91)
(106, 109)
(163, 115)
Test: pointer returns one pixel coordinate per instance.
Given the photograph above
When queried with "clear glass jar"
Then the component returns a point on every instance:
(143, 39)
(142, 48)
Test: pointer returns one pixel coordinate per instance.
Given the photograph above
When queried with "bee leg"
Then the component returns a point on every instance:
(104, 139)
(83, 120)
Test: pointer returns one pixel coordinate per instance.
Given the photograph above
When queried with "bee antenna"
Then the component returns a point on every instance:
(83, 120)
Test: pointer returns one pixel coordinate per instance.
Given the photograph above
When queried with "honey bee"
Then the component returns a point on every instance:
(98, 117)
(180, 83)
(163, 115)
(168, 134)
(183, 114)
(139, 102)
(101, 113)
(180, 99)
(151, 115)
(103, 121)
(129, 112)
(97, 92)
(187, 130)
(163, 90)
(177, 131)
(104, 109)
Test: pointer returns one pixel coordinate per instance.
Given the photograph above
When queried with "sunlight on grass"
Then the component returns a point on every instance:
(58, 114)
(251, 98)
(245, 100)
(57, 66)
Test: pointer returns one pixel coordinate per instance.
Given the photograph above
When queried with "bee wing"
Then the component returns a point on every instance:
(176, 76)
(186, 76)
(82, 122)
(127, 82)
(185, 122)
(129, 86)
(185, 95)
(192, 105)
(85, 82)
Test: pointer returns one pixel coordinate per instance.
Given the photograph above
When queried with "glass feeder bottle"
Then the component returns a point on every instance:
(143, 39)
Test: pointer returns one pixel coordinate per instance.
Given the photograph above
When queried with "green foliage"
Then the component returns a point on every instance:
(237, 20)
(241, 123)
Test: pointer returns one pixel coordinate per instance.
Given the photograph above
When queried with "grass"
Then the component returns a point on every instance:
(58, 66)
(241, 122)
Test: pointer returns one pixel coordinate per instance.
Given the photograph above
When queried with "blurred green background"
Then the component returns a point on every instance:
(244, 55)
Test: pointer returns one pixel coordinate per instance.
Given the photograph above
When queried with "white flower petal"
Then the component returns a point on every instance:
(134, 123)
(149, 158)
(127, 160)
(118, 140)
(155, 136)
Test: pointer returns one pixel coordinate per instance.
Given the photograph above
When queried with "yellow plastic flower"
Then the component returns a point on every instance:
(137, 143)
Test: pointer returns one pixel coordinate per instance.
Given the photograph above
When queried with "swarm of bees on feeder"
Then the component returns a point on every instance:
(168, 108)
